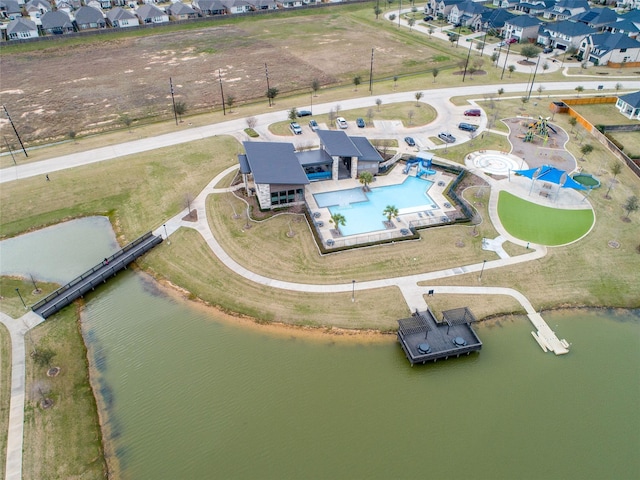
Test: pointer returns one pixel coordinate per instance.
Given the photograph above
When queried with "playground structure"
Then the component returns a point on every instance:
(541, 129)
(423, 163)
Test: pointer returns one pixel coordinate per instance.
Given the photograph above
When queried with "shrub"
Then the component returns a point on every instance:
(251, 132)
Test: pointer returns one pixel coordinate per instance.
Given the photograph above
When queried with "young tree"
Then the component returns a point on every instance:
(494, 58)
(411, 22)
(251, 122)
(72, 134)
(435, 73)
(378, 103)
(410, 115)
(418, 96)
(357, 80)
(126, 120)
(579, 89)
(472, 69)
(500, 91)
(365, 179)
(370, 115)
(540, 90)
(586, 150)
(618, 87)
(230, 100)
(430, 31)
(545, 66)
(631, 205)
(453, 38)
(511, 68)
(573, 121)
(43, 357)
(315, 86)
(377, 10)
(272, 93)
(615, 168)
(293, 114)
(395, 82)
(390, 211)
(181, 108)
(530, 51)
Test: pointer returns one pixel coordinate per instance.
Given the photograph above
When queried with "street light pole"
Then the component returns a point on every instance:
(353, 290)
(371, 74)
(505, 61)
(224, 110)
(466, 64)
(482, 270)
(166, 235)
(173, 100)
(266, 72)
(22, 299)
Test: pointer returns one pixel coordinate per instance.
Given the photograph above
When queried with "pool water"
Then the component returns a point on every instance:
(365, 214)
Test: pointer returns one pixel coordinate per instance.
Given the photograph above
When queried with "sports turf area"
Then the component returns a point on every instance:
(543, 225)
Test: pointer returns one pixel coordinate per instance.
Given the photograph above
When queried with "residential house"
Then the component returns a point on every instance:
(625, 26)
(628, 4)
(88, 18)
(629, 105)
(57, 23)
(10, 9)
(290, 3)
(522, 27)
(563, 34)
(68, 5)
(597, 18)
(102, 4)
(36, 8)
(466, 13)
(209, 7)
(440, 8)
(612, 49)
(504, 3)
(181, 11)
(272, 172)
(534, 7)
(118, 17)
(151, 14)
(21, 28)
(264, 4)
(237, 6)
(494, 19)
(566, 8)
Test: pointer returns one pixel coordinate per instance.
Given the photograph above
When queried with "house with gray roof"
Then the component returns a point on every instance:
(522, 27)
(494, 19)
(237, 6)
(57, 23)
(118, 17)
(264, 4)
(466, 13)
(563, 34)
(89, 18)
(21, 28)
(629, 105)
(151, 14)
(440, 8)
(10, 9)
(597, 18)
(181, 11)
(625, 26)
(566, 8)
(612, 49)
(209, 7)
(272, 172)
(534, 7)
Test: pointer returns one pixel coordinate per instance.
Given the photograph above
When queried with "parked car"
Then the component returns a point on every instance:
(446, 137)
(547, 50)
(474, 112)
(341, 123)
(410, 141)
(501, 44)
(303, 113)
(512, 40)
(313, 125)
(360, 122)
(295, 128)
(467, 127)
(428, 18)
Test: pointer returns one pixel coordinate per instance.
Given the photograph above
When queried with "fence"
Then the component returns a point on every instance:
(612, 147)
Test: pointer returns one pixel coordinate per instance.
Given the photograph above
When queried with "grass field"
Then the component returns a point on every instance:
(543, 225)
(5, 391)
(63, 441)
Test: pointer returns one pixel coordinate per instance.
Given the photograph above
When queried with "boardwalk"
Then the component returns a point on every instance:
(95, 276)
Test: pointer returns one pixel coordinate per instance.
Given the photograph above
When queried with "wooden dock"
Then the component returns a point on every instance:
(424, 339)
(106, 269)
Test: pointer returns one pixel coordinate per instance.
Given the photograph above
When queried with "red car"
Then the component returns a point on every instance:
(474, 112)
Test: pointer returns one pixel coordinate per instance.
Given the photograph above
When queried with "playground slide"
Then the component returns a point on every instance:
(423, 167)
(410, 163)
(551, 128)
(425, 171)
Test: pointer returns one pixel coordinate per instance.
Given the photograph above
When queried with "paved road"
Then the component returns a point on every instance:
(448, 117)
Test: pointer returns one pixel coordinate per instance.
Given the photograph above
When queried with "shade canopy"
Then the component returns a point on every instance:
(551, 174)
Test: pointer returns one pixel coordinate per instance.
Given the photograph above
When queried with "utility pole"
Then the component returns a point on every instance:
(224, 110)
(16, 131)
(534, 77)
(10, 150)
(266, 72)
(466, 64)
(505, 60)
(371, 74)
(173, 100)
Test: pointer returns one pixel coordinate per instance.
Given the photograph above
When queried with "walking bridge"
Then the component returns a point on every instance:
(89, 280)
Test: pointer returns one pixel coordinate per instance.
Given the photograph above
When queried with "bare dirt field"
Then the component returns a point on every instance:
(88, 87)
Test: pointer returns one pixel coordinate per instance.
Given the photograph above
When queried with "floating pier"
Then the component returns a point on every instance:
(424, 339)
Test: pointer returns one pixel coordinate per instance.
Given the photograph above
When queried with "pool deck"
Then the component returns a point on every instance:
(440, 181)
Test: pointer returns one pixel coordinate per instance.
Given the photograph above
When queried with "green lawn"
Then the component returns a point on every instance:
(538, 224)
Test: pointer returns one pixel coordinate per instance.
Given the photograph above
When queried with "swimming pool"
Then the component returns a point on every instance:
(363, 211)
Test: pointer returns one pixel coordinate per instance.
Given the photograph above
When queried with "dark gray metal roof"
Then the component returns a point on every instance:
(314, 157)
(244, 164)
(368, 153)
(338, 144)
(56, 19)
(274, 163)
(86, 15)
